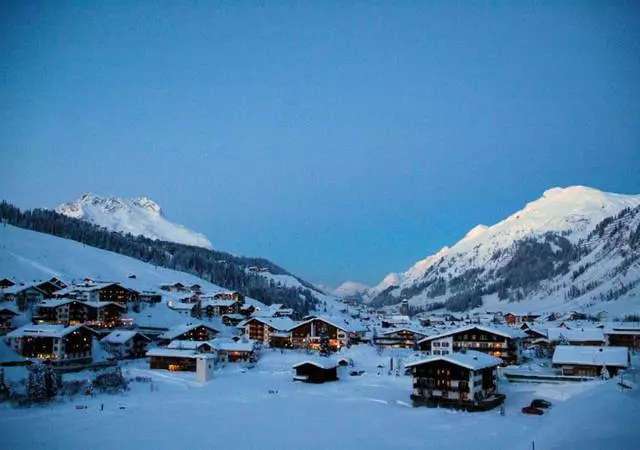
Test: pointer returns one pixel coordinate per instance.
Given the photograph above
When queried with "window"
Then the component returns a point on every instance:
(445, 344)
(445, 352)
(436, 344)
(436, 352)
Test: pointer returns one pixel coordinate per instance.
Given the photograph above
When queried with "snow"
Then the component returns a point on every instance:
(589, 355)
(237, 410)
(470, 359)
(350, 288)
(576, 334)
(120, 336)
(139, 216)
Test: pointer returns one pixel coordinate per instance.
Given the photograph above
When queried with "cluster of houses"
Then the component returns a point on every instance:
(456, 364)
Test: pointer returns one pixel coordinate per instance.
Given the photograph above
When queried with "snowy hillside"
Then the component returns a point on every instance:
(530, 258)
(138, 216)
(351, 289)
(27, 256)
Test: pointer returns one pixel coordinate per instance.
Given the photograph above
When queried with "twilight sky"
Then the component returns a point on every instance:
(342, 140)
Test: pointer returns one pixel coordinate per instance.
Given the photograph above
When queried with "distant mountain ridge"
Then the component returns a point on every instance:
(529, 257)
(139, 216)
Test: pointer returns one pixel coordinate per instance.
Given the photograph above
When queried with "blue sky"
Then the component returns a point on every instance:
(342, 140)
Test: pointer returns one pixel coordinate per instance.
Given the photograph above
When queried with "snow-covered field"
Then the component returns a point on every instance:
(373, 411)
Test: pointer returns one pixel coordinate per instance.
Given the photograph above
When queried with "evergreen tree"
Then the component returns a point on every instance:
(325, 349)
(36, 388)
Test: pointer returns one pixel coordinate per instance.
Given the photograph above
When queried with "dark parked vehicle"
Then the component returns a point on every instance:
(532, 410)
(540, 403)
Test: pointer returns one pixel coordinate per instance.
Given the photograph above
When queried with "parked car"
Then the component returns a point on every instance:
(540, 403)
(532, 410)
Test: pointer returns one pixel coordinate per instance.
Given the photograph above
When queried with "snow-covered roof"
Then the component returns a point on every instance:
(508, 332)
(278, 323)
(337, 322)
(217, 302)
(176, 353)
(7, 309)
(16, 289)
(576, 334)
(321, 362)
(122, 336)
(591, 355)
(177, 330)
(45, 330)
(180, 344)
(470, 359)
(412, 330)
(229, 345)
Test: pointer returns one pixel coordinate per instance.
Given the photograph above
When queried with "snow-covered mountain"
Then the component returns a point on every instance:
(542, 256)
(351, 289)
(139, 216)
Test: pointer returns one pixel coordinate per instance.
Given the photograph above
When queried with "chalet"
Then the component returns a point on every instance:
(230, 295)
(465, 380)
(24, 296)
(184, 309)
(397, 321)
(316, 370)
(400, 338)
(576, 336)
(174, 287)
(590, 361)
(621, 336)
(74, 312)
(126, 344)
(271, 331)
(51, 286)
(219, 307)
(278, 310)
(103, 292)
(232, 320)
(308, 333)
(189, 332)
(532, 333)
(198, 346)
(54, 342)
(6, 318)
(502, 342)
(195, 288)
(147, 296)
(5, 283)
(513, 319)
(235, 351)
(176, 360)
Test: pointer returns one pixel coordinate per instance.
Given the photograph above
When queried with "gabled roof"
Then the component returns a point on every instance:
(229, 345)
(412, 330)
(217, 302)
(16, 289)
(46, 330)
(591, 355)
(335, 321)
(177, 330)
(576, 334)
(8, 310)
(179, 344)
(469, 359)
(277, 323)
(321, 362)
(122, 336)
(508, 332)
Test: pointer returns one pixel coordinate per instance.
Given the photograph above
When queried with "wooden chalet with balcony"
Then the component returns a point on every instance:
(229, 350)
(74, 312)
(513, 319)
(126, 344)
(218, 307)
(588, 361)
(24, 295)
(502, 342)
(57, 343)
(188, 332)
(623, 336)
(308, 333)
(270, 331)
(100, 292)
(465, 380)
(399, 338)
(175, 360)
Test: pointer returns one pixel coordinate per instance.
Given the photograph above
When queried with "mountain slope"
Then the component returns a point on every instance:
(528, 257)
(139, 216)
